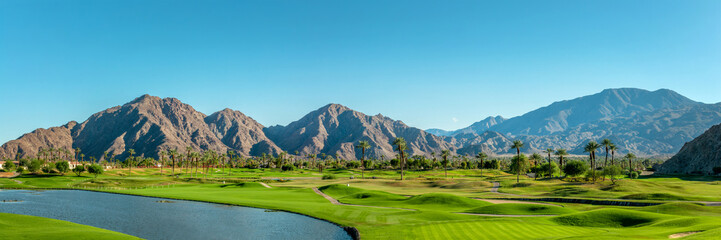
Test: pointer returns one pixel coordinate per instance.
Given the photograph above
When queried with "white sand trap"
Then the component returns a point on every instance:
(683, 234)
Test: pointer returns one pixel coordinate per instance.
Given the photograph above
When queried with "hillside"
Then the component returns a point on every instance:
(699, 156)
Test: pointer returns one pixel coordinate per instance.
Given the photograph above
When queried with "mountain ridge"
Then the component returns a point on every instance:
(637, 120)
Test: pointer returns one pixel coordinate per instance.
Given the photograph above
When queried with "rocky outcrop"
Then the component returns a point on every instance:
(699, 156)
(241, 133)
(335, 129)
(29, 144)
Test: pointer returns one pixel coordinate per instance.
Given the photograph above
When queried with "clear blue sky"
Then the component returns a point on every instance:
(442, 64)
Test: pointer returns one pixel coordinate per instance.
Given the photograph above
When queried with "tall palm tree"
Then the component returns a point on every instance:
(188, 151)
(591, 148)
(130, 163)
(162, 161)
(481, 156)
(606, 143)
(363, 145)
(630, 156)
(549, 151)
(401, 147)
(444, 154)
(517, 144)
(560, 153)
(231, 153)
(172, 153)
(613, 152)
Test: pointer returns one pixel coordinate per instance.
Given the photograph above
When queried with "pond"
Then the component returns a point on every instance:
(158, 218)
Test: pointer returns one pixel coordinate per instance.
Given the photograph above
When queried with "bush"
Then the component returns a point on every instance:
(79, 169)
(287, 167)
(634, 175)
(20, 169)
(548, 170)
(9, 165)
(49, 167)
(575, 168)
(352, 164)
(612, 172)
(62, 167)
(95, 169)
(35, 165)
(592, 174)
(329, 176)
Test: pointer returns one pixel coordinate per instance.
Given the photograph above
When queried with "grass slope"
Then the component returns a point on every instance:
(14, 226)
(521, 209)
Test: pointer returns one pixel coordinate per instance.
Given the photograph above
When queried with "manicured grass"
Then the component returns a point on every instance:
(609, 218)
(14, 226)
(521, 209)
(433, 200)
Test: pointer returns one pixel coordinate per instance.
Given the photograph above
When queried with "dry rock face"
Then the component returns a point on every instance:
(636, 120)
(335, 129)
(148, 125)
(699, 156)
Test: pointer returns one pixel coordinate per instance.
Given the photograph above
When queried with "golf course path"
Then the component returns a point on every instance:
(265, 185)
(501, 215)
(336, 202)
(497, 185)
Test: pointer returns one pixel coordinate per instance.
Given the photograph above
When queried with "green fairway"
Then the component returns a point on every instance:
(521, 209)
(13, 226)
(424, 206)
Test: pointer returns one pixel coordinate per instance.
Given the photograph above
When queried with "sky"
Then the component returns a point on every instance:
(431, 64)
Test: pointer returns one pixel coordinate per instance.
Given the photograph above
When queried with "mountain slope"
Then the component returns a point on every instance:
(335, 129)
(241, 133)
(698, 156)
(606, 105)
(149, 125)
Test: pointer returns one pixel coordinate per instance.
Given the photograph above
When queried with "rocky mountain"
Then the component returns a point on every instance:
(241, 133)
(148, 125)
(699, 156)
(640, 121)
(335, 129)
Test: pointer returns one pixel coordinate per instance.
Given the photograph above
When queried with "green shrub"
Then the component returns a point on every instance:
(287, 167)
(634, 175)
(575, 168)
(9, 165)
(35, 165)
(49, 167)
(612, 172)
(95, 169)
(329, 176)
(79, 169)
(62, 167)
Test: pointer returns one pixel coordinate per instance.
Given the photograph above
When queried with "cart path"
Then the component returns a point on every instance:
(265, 185)
(336, 202)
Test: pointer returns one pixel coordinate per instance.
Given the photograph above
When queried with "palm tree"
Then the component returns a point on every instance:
(363, 145)
(549, 151)
(444, 154)
(172, 153)
(231, 153)
(517, 144)
(561, 152)
(591, 148)
(606, 143)
(630, 156)
(481, 156)
(130, 165)
(613, 152)
(162, 161)
(188, 151)
(401, 147)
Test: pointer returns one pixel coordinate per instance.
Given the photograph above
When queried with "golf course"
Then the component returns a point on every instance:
(467, 204)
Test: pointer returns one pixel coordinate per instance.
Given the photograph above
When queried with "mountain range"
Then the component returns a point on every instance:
(639, 121)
